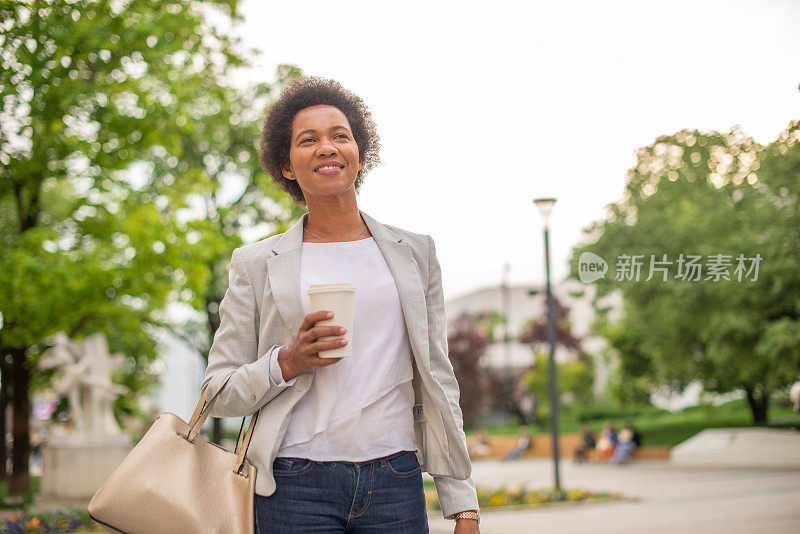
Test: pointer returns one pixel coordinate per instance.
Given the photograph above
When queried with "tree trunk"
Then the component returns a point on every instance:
(217, 430)
(758, 399)
(20, 453)
(4, 377)
(213, 318)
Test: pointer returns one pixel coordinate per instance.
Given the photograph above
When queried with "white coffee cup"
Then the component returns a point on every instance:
(337, 298)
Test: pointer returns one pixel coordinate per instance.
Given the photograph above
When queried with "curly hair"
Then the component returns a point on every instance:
(304, 92)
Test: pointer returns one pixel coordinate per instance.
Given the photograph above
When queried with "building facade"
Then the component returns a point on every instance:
(521, 303)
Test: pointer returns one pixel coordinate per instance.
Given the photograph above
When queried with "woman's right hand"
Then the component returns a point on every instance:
(303, 355)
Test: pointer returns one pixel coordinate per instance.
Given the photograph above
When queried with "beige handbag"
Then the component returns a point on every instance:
(176, 481)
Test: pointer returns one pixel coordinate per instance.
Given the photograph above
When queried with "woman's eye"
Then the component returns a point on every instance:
(306, 139)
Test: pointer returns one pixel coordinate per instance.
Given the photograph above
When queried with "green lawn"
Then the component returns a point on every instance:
(660, 427)
(9, 502)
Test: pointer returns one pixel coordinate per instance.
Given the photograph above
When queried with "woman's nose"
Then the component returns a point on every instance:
(326, 148)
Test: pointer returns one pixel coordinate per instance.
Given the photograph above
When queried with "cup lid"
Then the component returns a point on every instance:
(342, 286)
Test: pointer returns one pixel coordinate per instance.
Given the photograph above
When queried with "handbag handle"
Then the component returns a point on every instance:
(243, 443)
(203, 410)
(203, 414)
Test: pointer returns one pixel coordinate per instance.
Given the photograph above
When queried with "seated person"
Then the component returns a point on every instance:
(629, 440)
(524, 442)
(586, 444)
(607, 442)
(479, 444)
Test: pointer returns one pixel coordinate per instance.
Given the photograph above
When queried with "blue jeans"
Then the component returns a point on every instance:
(622, 452)
(380, 495)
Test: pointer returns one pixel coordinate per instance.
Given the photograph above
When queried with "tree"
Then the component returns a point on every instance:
(117, 120)
(467, 340)
(575, 380)
(535, 331)
(215, 151)
(732, 202)
(631, 381)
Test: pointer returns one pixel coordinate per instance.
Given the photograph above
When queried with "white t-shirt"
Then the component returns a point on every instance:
(361, 407)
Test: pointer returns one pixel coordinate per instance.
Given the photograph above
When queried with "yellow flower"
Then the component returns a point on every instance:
(498, 500)
(431, 500)
(33, 523)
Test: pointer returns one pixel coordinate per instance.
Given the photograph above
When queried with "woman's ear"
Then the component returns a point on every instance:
(286, 169)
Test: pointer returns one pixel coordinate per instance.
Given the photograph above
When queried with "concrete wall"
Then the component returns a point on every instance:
(740, 447)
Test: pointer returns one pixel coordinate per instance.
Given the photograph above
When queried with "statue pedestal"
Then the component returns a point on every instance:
(74, 466)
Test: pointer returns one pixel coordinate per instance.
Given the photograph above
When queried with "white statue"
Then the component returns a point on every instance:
(86, 367)
(794, 396)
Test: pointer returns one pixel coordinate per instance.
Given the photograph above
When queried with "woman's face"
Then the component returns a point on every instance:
(323, 154)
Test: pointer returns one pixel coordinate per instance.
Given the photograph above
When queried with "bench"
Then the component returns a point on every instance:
(542, 448)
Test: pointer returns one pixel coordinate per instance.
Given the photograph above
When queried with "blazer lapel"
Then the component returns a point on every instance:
(284, 275)
(401, 262)
(284, 281)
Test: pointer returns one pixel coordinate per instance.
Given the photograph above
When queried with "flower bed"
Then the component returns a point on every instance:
(78, 520)
(64, 520)
(502, 497)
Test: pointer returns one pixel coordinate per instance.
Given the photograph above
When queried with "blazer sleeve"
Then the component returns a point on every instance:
(455, 495)
(235, 348)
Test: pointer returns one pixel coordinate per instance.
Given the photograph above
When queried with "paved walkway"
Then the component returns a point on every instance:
(664, 499)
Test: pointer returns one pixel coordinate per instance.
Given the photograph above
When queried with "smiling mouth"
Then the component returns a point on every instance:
(329, 169)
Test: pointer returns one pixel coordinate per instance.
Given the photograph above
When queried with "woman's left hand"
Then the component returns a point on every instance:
(466, 526)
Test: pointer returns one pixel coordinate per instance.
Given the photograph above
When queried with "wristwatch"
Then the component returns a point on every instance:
(469, 514)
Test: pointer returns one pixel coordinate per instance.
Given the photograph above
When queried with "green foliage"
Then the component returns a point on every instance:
(661, 427)
(121, 141)
(600, 413)
(706, 194)
(22, 501)
(669, 429)
(490, 321)
(575, 379)
(630, 383)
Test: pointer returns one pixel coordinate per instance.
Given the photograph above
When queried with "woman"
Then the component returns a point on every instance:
(340, 444)
(607, 442)
(629, 440)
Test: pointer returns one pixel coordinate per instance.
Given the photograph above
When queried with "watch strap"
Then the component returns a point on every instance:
(469, 514)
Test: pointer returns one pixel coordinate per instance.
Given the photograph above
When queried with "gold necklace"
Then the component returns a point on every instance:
(318, 237)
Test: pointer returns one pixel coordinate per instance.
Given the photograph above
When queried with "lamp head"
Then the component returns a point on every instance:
(545, 204)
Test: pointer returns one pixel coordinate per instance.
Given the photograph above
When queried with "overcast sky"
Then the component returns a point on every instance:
(483, 106)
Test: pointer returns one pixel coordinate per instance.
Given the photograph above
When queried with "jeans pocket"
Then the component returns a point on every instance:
(404, 465)
(291, 466)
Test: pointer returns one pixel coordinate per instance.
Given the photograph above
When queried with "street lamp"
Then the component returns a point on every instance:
(509, 383)
(545, 205)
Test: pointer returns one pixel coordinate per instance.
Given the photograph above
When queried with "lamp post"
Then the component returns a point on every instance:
(509, 384)
(545, 205)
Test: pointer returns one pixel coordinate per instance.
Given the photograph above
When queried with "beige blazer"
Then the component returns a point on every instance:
(262, 309)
